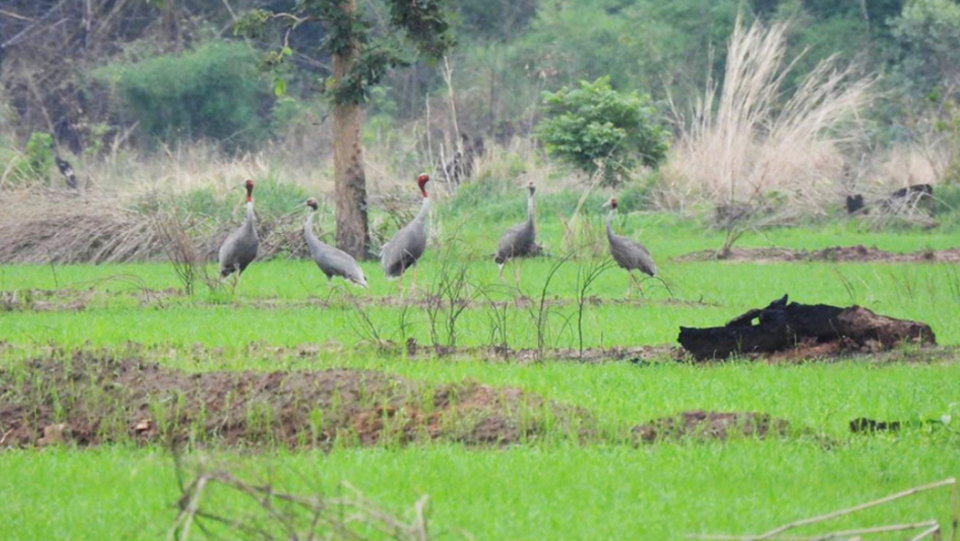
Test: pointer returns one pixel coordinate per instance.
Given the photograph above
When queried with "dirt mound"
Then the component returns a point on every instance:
(711, 425)
(857, 253)
(91, 399)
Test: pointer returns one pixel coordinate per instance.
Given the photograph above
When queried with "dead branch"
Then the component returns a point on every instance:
(932, 526)
(281, 515)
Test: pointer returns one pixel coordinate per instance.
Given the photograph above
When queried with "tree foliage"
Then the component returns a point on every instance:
(929, 34)
(594, 125)
(213, 91)
(423, 24)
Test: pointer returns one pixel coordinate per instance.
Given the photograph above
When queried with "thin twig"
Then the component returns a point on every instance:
(926, 533)
(856, 508)
(827, 536)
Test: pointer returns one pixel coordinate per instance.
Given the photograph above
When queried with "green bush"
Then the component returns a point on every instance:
(33, 165)
(39, 156)
(595, 124)
(273, 198)
(213, 91)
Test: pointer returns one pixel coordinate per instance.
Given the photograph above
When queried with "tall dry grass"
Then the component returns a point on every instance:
(746, 142)
(199, 165)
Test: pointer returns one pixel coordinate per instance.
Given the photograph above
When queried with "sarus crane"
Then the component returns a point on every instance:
(628, 253)
(331, 260)
(408, 244)
(240, 248)
(520, 240)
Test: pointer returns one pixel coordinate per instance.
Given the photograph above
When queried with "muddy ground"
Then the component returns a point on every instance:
(89, 399)
(79, 299)
(857, 253)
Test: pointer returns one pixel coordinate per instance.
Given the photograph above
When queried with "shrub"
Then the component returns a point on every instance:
(928, 32)
(213, 91)
(33, 165)
(596, 126)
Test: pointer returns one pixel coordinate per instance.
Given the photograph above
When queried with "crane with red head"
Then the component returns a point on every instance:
(408, 244)
(240, 247)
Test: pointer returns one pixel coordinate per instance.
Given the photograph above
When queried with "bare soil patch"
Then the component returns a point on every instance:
(91, 399)
(857, 253)
(634, 354)
(711, 425)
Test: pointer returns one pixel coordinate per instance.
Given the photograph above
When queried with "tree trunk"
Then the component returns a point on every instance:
(353, 236)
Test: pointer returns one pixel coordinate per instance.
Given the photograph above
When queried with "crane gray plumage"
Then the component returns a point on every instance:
(240, 248)
(628, 253)
(331, 260)
(407, 245)
(521, 239)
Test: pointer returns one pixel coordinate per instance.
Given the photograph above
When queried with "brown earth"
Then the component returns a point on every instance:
(857, 253)
(76, 299)
(91, 399)
(711, 425)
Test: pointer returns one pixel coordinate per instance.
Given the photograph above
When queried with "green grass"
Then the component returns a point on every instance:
(659, 492)
(925, 292)
(543, 490)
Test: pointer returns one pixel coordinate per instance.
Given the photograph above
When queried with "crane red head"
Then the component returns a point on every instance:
(249, 187)
(612, 203)
(312, 203)
(422, 183)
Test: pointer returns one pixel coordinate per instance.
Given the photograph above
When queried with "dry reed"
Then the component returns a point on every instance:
(746, 144)
(66, 227)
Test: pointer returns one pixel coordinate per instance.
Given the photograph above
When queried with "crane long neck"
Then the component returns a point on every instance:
(423, 209)
(530, 216)
(250, 216)
(610, 219)
(308, 228)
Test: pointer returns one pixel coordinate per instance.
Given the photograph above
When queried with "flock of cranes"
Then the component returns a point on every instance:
(408, 244)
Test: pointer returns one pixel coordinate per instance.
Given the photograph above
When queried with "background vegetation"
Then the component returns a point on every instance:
(166, 74)
(717, 121)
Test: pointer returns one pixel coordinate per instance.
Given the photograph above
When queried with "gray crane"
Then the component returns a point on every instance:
(331, 260)
(628, 253)
(408, 244)
(520, 240)
(240, 248)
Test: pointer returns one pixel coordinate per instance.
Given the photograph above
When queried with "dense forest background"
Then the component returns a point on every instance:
(104, 76)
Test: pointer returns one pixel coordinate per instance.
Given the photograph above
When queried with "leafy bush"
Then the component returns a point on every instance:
(596, 125)
(39, 156)
(928, 32)
(213, 91)
(273, 198)
(33, 165)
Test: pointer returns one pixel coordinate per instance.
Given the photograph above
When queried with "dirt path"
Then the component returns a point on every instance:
(857, 253)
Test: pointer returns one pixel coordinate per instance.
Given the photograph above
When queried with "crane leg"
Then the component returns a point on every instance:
(518, 274)
(413, 282)
(636, 281)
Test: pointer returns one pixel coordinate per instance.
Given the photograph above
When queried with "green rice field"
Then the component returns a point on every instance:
(284, 317)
